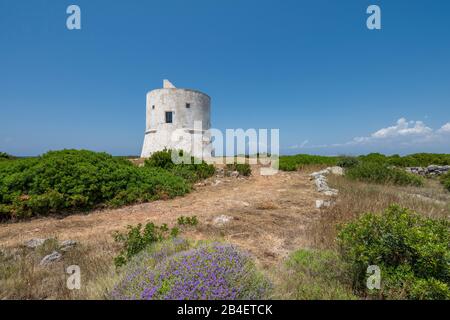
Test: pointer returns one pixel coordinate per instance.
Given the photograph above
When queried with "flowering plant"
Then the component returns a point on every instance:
(208, 272)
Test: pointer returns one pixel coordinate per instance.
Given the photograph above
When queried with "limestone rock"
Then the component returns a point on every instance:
(234, 174)
(331, 192)
(67, 244)
(52, 257)
(336, 171)
(322, 203)
(222, 220)
(34, 243)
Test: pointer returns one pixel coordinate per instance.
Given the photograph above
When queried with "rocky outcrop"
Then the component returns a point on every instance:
(432, 170)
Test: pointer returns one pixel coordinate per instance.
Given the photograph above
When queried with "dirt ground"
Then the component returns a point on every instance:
(271, 216)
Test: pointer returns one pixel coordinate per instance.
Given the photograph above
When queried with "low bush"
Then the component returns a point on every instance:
(412, 251)
(213, 271)
(187, 221)
(136, 239)
(376, 172)
(419, 160)
(293, 163)
(193, 171)
(160, 159)
(5, 156)
(347, 162)
(244, 169)
(63, 181)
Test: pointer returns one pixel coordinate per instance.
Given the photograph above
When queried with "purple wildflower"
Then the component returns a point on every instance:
(209, 272)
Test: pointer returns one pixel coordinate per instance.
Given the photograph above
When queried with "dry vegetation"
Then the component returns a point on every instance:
(271, 217)
(356, 198)
(21, 276)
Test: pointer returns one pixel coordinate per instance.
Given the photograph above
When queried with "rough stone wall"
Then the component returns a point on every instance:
(159, 134)
(432, 170)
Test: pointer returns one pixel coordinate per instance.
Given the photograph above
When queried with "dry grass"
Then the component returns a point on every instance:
(21, 276)
(356, 198)
(267, 205)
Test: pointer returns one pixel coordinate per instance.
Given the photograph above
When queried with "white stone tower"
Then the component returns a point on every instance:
(178, 119)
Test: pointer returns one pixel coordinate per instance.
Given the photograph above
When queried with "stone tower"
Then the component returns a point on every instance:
(177, 119)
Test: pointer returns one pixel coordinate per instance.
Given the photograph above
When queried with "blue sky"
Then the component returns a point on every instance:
(310, 68)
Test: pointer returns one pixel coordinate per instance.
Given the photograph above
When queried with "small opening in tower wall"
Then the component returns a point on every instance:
(169, 117)
(153, 107)
(188, 105)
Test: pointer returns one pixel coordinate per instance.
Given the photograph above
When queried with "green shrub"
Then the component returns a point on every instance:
(376, 172)
(419, 160)
(160, 159)
(347, 162)
(136, 239)
(412, 251)
(244, 169)
(5, 156)
(374, 157)
(63, 181)
(187, 221)
(193, 171)
(412, 160)
(293, 163)
(315, 275)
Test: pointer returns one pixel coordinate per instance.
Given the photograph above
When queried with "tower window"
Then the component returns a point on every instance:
(153, 107)
(188, 105)
(169, 116)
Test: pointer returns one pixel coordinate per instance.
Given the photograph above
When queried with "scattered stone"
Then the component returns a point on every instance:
(216, 183)
(337, 171)
(331, 192)
(67, 244)
(34, 243)
(234, 174)
(322, 203)
(52, 257)
(321, 183)
(220, 172)
(222, 220)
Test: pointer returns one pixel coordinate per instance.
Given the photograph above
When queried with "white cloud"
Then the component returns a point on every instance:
(402, 134)
(403, 128)
(445, 128)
